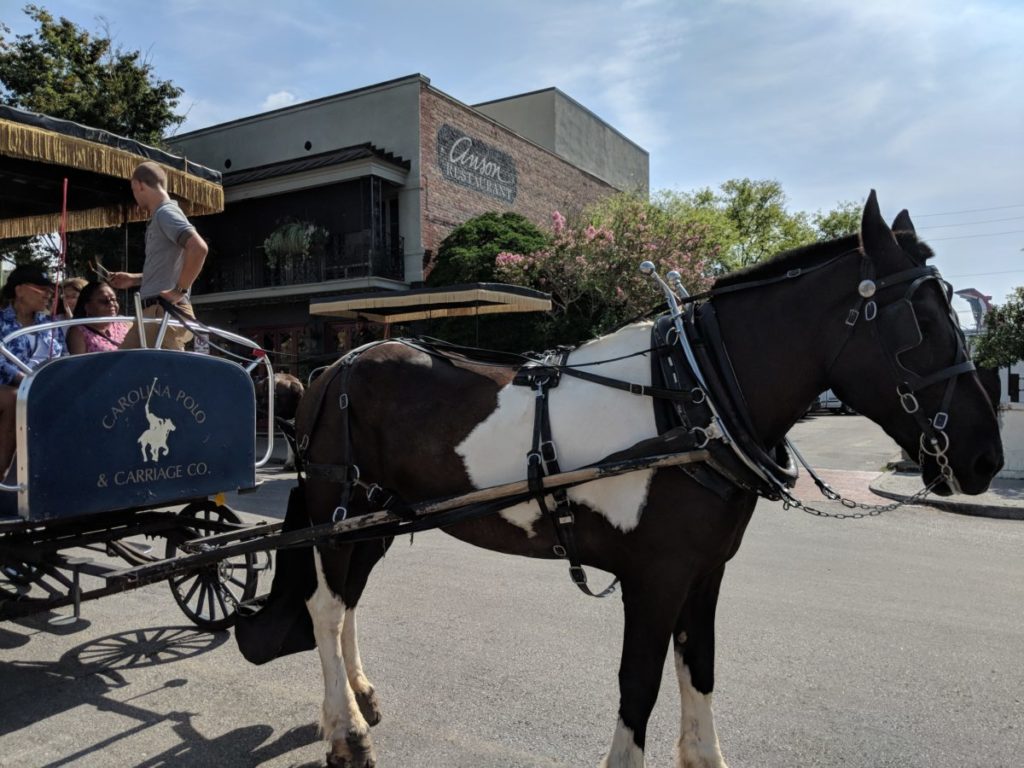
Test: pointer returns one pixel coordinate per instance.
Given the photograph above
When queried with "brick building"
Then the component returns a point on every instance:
(354, 192)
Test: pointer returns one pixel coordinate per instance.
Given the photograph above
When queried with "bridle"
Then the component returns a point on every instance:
(894, 326)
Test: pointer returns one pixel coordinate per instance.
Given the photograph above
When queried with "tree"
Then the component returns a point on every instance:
(749, 220)
(64, 71)
(1001, 342)
(467, 254)
(591, 268)
(764, 226)
(842, 220)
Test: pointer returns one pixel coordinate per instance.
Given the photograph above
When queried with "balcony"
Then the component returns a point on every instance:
(353, 257)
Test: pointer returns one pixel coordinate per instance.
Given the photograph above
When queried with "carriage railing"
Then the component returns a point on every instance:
(261, 359)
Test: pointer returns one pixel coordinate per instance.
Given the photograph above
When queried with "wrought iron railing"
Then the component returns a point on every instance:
(250, 270)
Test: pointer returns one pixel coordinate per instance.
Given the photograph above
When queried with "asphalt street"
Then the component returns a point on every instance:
(891, 641)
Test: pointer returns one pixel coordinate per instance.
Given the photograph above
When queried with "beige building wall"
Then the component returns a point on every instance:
(570, 130)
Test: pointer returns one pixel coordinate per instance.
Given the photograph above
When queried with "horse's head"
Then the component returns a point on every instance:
(905, 363)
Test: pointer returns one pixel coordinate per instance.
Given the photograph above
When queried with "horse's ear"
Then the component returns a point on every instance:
(902, 223)
(875, 236)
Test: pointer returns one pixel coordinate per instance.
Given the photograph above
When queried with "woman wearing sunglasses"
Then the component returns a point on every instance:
(96, 300)
(29, 291)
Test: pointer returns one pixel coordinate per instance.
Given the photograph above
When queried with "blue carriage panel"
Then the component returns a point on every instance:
(120, 430)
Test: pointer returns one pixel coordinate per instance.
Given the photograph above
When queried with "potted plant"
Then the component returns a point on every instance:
(294, 240)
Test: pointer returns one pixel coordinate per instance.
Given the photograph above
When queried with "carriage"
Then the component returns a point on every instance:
(643, 452)
(106, 443)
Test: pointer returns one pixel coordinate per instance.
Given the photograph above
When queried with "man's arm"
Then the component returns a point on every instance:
(194, 257)
(122, 280)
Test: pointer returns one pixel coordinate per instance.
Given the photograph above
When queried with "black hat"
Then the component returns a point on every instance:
(32, 274)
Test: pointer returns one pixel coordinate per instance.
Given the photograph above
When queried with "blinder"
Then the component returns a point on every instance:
(900, 330)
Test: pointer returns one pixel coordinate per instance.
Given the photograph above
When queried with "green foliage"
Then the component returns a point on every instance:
(763, 225)
(591, 266)
(842, 220)
(1001, 343)
(467, 255)
(749, 222)
(590, 263)
(64, 71)
(294, 240)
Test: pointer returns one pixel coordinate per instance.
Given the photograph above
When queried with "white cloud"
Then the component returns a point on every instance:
(278, 99)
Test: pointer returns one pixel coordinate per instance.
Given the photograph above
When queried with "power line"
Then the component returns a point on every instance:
(989, 274)
(972, 210)
(986, 235)
(970, 223)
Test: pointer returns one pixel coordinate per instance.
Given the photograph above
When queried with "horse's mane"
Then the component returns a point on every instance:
(802, 257)
(809, 255)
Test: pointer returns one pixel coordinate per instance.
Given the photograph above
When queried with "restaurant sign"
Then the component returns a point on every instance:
(471, 163)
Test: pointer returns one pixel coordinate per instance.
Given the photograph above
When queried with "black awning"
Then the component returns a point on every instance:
(321, 160)
(429, 303)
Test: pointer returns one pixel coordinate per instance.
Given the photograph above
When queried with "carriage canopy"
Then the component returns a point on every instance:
(38, 152)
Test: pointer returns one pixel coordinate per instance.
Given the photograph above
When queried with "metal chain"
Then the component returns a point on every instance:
(870, 510)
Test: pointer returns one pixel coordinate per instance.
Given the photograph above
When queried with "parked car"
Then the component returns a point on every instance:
(827, 401)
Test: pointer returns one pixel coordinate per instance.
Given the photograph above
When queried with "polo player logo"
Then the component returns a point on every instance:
(154, 439)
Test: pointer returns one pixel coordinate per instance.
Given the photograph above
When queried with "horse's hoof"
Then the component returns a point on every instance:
(369, 705)
(356, 752)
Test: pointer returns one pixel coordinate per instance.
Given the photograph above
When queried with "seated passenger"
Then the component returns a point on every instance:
(96, 300)
(70, 289)
(29, 291)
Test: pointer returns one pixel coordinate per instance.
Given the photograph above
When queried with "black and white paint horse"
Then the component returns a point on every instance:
(427, 427)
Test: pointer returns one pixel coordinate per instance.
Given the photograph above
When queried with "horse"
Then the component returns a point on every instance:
(288, 391)
(863, 315)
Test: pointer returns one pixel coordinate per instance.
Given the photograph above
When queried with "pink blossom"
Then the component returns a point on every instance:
(505, 259)
(557, 222)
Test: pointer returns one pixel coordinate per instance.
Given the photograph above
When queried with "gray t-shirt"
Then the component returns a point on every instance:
(166, 234)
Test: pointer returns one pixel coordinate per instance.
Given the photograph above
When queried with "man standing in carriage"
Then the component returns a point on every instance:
(175, 254)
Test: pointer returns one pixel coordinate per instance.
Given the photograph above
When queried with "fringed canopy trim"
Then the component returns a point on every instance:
(195, 195)
(421, 304)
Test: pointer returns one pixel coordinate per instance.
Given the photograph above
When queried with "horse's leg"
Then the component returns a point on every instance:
(364, 558)
(650, 616)
(341, 721)
(694, 652)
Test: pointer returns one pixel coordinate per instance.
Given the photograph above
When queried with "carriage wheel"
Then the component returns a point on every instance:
(19, 573)
(209, 595)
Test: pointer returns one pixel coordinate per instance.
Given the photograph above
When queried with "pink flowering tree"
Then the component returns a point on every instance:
(591, 267)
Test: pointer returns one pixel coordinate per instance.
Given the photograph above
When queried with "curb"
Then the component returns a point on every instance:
(956, 504)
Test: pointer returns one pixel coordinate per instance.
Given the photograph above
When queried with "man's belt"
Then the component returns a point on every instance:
(151, 300)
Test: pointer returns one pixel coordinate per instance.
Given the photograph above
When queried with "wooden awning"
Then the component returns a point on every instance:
(38, 152)
(429, 303)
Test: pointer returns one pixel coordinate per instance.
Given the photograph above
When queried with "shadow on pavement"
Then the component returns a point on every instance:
(85, 675)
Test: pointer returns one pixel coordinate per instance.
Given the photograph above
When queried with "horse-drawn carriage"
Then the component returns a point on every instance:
(641, 453)
(105, 442)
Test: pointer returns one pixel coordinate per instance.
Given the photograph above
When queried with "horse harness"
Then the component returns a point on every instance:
(698, 404)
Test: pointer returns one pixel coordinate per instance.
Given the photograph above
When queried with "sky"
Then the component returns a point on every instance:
(921, 100)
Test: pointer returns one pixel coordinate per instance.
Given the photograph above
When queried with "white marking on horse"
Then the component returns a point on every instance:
(588, 422)
(624, 752)
(340, 715)
(698, 741)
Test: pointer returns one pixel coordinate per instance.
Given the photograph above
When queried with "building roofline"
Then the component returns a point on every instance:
(569, 98)
(528, 140)
(301, 106)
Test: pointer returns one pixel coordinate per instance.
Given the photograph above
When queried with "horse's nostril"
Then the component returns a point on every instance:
(988, 464)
